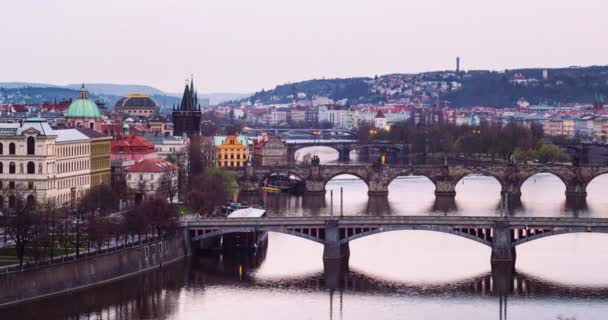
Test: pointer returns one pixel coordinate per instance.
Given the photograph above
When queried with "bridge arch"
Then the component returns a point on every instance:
(596, 191)
(411, 173)
(559, 231)
(481, 172)
(556, 173)
(347, 173)
(452, 231)
(294, 149)
(223, 231)
(530, 182)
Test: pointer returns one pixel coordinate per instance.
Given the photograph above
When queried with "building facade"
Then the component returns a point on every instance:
(231, 151)
(136, 105)
(45, 165)
(270, 151)
(101, 156)
(144, 177)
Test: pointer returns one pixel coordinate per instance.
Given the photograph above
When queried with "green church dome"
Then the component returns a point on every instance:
(83, 107)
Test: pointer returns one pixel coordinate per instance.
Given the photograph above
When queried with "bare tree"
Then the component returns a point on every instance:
(22, 223)
(168, 185)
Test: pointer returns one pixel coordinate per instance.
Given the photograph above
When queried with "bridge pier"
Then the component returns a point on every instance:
(503, 252)
(344, 154)
(445, 204)
(377, 188)
(502, 277)
(335, 254)
(445, 188)
(249, 182)
(511, 192)
(576, 193)
(314, 186)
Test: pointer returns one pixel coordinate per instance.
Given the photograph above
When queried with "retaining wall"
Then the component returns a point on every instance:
(26, 285)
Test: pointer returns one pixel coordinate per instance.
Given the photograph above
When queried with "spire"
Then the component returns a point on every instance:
(186, 99)
(84, 93)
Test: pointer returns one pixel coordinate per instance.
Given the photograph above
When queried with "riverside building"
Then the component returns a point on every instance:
(46, 165)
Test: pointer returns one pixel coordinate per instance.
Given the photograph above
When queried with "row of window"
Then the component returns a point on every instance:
(231, 163)
(69, 151)
(12, 148)
(12, 168)
(226, 157)
(100, 164)
(11, 185)
(72, 166)
(71, 182)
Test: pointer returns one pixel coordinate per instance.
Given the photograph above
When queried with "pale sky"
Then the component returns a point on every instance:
(247, 45)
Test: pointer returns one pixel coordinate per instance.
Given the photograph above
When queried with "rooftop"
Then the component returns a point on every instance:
(152, 165)
(66, 135)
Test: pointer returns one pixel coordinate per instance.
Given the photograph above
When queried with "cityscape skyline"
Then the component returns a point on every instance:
(239, 46)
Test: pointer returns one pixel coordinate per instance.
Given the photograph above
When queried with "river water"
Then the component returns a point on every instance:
(397, 275)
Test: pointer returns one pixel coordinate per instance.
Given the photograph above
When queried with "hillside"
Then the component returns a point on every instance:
(465, 89)
(28, 92)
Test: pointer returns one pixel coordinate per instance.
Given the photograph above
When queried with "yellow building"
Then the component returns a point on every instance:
(231, 151)
(101, 153)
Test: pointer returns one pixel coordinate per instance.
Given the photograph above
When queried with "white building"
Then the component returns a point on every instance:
(380, 121)
(144, 177)
(50, 166)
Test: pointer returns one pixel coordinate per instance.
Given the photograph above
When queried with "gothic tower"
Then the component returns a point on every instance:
(187, 116)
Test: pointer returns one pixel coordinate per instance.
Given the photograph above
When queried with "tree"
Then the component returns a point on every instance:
(22, 224)
(548, 152)
(100, 197)
(180, 160)
(159, 214)
(210, 190)
(168, 185)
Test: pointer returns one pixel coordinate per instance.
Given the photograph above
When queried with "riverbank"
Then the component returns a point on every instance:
(27, 285)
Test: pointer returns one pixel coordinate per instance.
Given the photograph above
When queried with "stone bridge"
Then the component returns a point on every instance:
(343, 147)
(501, 234)
(445, 177)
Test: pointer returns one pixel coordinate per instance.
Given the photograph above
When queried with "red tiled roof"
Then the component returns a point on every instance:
(380, 114)
(152, 165)
(131, 143)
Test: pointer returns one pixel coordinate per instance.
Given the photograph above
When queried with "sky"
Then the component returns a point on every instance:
(246, 45)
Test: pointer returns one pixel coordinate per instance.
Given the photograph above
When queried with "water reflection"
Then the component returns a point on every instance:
(475, 196)
(214, 286)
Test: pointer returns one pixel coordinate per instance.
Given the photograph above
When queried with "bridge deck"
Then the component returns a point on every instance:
(535, 222)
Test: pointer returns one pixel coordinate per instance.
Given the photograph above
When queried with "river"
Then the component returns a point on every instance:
(397, 275)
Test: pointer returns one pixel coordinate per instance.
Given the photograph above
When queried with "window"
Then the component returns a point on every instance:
(11, 201)
(31, 145)
(11, 167)
(30, 185)
(1, 148)
(31, 168)
(11, 148)
(11, 185)
(1, 168)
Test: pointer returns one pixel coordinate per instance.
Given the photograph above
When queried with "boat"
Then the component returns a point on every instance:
(245, 240)
(271, 189)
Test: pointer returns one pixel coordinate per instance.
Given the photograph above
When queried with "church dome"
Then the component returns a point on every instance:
(136, 100)
(83, 107)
